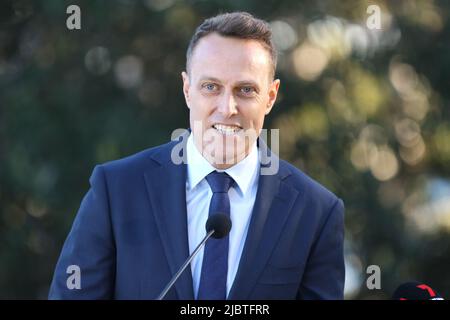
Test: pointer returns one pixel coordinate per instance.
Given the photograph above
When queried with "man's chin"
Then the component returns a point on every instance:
(224, 161)
(224, 150)
(224, 154)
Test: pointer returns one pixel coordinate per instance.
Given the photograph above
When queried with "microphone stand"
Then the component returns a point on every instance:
(177, 275)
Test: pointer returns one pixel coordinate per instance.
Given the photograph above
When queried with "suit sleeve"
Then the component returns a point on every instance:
(325, 271)
(88, 248)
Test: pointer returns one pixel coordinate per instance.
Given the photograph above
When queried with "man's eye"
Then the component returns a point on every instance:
(247, 90)
(210, 86)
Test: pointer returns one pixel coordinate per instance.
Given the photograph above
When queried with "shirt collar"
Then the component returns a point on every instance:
(244, 173)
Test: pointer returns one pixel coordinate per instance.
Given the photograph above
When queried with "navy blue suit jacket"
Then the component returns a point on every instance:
(130, 235)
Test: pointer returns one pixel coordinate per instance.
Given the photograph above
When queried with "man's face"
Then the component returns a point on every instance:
(228, 92)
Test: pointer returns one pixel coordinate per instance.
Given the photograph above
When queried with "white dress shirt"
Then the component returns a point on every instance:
(198, 197)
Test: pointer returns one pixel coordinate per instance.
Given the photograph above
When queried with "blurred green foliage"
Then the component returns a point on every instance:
(365, 112)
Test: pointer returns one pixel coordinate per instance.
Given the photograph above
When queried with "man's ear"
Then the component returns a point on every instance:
(186, 86)
(273, 92)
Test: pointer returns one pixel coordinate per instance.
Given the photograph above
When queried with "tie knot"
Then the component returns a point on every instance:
(219, 181)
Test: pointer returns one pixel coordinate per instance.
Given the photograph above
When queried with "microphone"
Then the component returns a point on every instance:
(217, 226)
(415, 291)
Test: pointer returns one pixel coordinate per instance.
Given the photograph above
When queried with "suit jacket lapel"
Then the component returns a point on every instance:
(167, 191)
(273, 204)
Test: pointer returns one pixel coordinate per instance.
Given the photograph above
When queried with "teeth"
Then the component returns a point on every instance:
(223, 129)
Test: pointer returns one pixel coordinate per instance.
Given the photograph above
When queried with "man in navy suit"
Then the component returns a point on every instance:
(145, 214)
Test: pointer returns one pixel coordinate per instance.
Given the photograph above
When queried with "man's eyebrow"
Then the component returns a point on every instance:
(247, 83)
(206, 78)
(239, 83)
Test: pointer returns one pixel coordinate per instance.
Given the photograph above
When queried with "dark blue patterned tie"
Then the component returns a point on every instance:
(213, 279)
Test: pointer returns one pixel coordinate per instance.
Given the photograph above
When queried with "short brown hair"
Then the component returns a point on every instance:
(235, 24)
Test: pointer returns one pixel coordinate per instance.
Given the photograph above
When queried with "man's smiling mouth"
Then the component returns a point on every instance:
(226, 129)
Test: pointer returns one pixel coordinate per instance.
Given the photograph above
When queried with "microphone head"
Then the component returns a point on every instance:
(220, 223)
(415, 291)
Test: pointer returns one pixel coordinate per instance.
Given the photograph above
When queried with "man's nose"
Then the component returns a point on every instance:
(227, 105)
